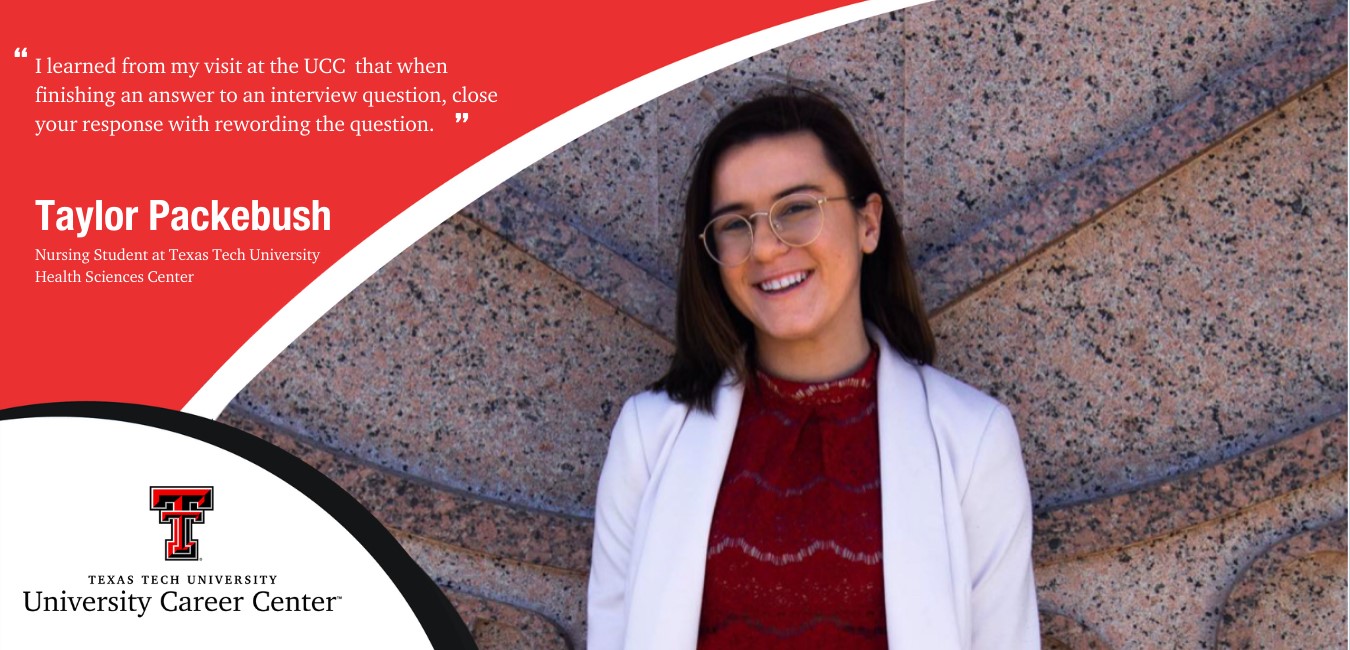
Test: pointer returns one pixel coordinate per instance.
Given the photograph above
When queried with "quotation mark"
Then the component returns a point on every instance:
(20, 52)
(461, 118)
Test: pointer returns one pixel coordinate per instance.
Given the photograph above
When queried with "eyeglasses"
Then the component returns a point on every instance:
(796, 220)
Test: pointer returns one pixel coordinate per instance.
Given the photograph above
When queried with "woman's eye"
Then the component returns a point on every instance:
(796, 208)
(730, 226)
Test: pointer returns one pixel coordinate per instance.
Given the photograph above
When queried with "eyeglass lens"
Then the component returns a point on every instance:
(795, 219)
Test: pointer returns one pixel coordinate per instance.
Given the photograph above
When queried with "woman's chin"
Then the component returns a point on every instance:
(785, 333)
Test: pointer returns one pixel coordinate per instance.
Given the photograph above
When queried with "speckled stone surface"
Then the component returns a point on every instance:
(442, 529)
(1202, 318)
(450, 517)
(558, 595)
(1293, 596)
(1303, 608)
(498, 626)
(1129, 163)
(1216, 491)
(1004, 98)
(577, 256)
(1170, 592)
(1059, 632)
(467, 363)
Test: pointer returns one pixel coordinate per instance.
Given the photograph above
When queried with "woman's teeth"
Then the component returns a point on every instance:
(779, 284)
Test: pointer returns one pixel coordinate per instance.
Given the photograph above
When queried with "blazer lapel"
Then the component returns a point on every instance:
(916, 562)
(668, 590)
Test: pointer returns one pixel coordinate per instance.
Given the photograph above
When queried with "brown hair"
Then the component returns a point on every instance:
(711, 336)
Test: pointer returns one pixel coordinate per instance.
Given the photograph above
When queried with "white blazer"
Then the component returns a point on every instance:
(956, 517)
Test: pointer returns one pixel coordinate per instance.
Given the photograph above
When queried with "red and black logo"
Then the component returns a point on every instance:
(180, 507)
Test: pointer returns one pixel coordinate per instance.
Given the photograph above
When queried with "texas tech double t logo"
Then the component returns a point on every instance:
(180, 507)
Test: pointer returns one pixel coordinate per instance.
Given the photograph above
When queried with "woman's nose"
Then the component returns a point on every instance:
(765, 245)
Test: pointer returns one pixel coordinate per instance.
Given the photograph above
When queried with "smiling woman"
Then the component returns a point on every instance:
(801, 477)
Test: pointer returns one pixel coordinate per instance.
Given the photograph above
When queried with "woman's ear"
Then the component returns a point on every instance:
(869, 223)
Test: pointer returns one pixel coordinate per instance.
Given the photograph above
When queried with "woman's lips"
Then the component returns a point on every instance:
(783, 282)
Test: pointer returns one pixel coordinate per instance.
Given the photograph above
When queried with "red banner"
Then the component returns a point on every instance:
(179, 173)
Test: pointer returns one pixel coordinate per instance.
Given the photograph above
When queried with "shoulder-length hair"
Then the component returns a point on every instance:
(711, 336)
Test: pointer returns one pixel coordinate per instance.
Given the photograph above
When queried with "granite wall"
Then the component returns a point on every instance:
(1129, 221)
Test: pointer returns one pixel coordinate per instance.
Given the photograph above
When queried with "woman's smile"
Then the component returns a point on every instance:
(783, 283)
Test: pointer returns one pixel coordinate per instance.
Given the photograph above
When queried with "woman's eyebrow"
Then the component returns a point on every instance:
(801, 187)
(743, 208)
(728, 209)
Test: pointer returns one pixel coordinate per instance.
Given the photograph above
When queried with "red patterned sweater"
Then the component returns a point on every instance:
(794, 554)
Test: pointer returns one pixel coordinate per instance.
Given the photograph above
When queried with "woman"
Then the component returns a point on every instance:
(800, 477)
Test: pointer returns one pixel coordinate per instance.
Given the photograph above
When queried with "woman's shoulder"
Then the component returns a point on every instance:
(652, 404)
(973, 425)
(959, 413)
(942, 392)
(647, 423)
(946, 391)
(651, 415)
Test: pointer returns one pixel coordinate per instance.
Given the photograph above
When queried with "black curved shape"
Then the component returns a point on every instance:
(440, 622)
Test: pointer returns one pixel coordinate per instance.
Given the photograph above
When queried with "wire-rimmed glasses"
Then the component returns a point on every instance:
(796, 220)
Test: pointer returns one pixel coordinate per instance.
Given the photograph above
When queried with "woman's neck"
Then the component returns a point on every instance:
(812, 361)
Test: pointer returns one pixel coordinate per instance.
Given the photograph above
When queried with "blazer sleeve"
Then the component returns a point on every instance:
(623, 479)
(997, 508)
